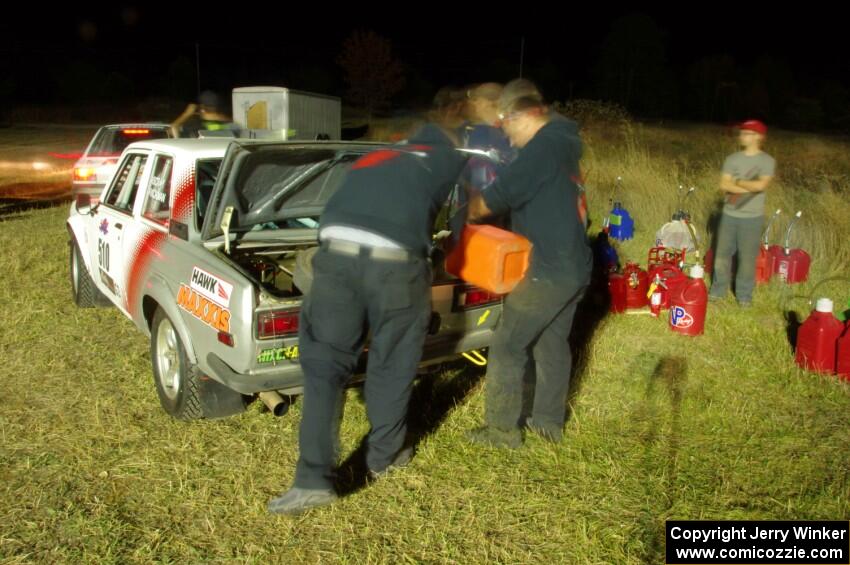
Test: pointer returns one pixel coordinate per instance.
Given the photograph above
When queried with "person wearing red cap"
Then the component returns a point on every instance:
(746, 175)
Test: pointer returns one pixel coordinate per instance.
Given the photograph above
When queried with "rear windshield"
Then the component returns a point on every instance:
(112, 141)
(280, 187)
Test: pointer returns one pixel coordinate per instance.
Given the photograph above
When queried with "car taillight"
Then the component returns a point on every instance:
(473, 297)
(136, 131)
(84, 173)
(277, 324)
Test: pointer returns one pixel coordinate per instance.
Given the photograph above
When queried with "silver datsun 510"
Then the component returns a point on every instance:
(205, 244)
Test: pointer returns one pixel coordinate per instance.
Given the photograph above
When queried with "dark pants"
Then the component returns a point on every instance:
(535, 327)
(350, 294)
(741, 235)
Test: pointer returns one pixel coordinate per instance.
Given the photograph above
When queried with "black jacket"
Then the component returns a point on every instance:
(397, 192)
(539, 190)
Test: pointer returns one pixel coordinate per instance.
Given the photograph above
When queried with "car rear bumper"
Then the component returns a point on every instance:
(287, 376)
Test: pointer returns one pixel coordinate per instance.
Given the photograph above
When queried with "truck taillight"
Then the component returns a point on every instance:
(277, 324)
(472, 297)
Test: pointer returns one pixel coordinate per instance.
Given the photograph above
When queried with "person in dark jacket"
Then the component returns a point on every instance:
(538, 189)
(371, 273)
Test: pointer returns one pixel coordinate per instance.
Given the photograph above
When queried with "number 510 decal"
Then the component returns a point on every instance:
(103, 254)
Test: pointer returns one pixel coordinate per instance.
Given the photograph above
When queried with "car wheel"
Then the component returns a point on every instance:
(184, 392)
(83, 289)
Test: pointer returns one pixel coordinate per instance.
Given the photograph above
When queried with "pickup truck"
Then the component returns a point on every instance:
(205, 244)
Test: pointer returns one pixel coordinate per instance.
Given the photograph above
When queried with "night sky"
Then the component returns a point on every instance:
(146, 46)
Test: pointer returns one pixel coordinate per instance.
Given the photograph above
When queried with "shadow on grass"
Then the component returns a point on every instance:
(793, 327)
(593, 308)
(430, 403)
(666, 385)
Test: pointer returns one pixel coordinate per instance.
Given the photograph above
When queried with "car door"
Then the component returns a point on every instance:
(113, 224)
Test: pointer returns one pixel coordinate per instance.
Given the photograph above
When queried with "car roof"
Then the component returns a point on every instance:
(157, 125)
(198, 147)
(217, 146)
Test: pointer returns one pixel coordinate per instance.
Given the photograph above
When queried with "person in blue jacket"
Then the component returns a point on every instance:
(539, 192)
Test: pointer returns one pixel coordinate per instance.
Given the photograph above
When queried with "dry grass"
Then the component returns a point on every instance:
(719, 427)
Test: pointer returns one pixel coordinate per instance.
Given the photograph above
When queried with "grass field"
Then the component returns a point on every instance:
(724, 426)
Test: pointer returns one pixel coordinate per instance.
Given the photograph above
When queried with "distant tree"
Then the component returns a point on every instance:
(372, 72)
(714, 88)
(632, 68)
(776, 80)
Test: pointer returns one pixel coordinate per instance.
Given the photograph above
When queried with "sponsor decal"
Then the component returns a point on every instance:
(104, 227)
(110, 284)
(211, 287)
(157, 196)
(679, 318)
(278, 354)
(203, 309)
(783, 271)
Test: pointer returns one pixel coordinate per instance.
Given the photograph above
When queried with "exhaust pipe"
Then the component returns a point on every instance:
(276, 404)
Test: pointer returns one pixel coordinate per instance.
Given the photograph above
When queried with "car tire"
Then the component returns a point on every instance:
(83, 289)
(184, 392)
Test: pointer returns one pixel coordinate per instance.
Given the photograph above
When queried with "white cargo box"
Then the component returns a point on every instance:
(280, 113)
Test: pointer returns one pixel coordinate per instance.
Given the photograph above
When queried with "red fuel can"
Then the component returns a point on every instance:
(664, 256)
(688, 305)
(842, 363)
(764, 266)
(817, 339)
(793, 266)
(617, 286)
(637, 286)
(672, 279)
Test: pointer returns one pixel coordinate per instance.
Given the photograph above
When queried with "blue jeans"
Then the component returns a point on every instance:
(741, 235)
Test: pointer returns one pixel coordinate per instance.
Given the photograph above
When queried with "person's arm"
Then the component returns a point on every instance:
(755, 185)
(477, 209)
(729, 185)
(182, 119)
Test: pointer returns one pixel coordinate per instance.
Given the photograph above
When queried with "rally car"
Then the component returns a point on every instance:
(205, 244)
(100, 159)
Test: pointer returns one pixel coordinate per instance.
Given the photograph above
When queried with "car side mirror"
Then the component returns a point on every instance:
(83, 203)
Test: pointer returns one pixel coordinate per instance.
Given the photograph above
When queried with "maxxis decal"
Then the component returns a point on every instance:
(204, 309)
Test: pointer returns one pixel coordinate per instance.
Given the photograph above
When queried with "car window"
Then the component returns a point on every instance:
(206, 172)
(125, 184)
(158, 195)
(110, 142)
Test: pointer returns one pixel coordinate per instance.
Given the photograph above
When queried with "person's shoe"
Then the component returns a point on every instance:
(549, 433)
(297, 500)
(402, 459)
(745, 304)
(494, 437)
(714, 298)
